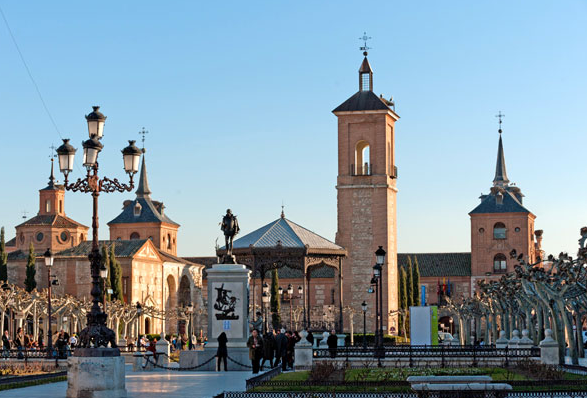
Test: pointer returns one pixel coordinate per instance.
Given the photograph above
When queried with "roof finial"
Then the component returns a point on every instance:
(282, 210)
(52, 176)
(500, 116)
(143, 132)
(364, 47)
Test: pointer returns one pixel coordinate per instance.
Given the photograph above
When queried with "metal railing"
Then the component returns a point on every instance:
(262, 378)
(26, 354)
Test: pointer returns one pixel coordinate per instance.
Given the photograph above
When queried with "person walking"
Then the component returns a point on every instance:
(268, 349)
(6, 342)
(292, 339)
(18, 342)
(222, 352)
(255, 344)
(281, 348)
(332, 342)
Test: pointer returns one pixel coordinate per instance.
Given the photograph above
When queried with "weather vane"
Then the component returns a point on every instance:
(500, 116)
(143, 132)
(364, 48)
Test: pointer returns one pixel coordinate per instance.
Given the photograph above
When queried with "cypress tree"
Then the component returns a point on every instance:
(115, 276)
(409, 284)
(416, 281)
(403, 298)
(275, 300)
(29, 282)
(105, 283)
(3, 258)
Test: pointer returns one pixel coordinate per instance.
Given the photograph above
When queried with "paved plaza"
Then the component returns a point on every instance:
(153, 384)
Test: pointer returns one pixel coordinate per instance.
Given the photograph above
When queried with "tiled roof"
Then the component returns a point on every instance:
(206, 261)
(286, 233)
(52, 219)
(439, 264)
(11, 242)
(149, 213)
(122, 248)
(174, 259)
(510, 204)
(362, 101)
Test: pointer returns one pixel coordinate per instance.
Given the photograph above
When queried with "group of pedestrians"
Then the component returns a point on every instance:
(23, 342)
(276, 347)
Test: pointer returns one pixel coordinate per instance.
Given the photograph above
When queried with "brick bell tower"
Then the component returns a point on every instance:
(366, 196)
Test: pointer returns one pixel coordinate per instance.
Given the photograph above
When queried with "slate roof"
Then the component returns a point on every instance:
(439, 264)
(122, 248)
(52, 219)
(17, 255)
(362, 101)
(149, 213)
(288, 234)
(509, 204)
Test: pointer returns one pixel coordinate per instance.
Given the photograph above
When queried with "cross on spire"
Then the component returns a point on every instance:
(53, 153)
(282, 210)
(364, 39)
(143, 132)
(500, 116)
(24, 213)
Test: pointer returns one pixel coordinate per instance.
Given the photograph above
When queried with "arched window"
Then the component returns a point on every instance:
(135, 236)
(362, 159)
(48, 206)
(169, 242)
(137, 209)
(499, 231)
(499, 263)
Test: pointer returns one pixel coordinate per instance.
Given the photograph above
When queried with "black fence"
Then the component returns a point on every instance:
(424, 394)
(26, 354)
(441, 353)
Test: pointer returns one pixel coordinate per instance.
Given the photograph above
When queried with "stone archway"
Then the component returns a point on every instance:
(184, 294)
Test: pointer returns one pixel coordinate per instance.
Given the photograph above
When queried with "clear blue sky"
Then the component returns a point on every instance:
(237, 97)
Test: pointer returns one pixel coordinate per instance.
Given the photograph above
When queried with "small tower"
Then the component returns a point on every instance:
(499, 224)
(366, 194)
(51, 197)
(144, 218)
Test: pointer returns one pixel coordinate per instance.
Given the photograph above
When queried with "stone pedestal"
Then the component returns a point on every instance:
(549, 349)
(340, 340)
(525, 341)
(502, 342)
(323, 343)
(513, 343)
(303, 353)
(162, 348)
(228, 310)
(95, 376)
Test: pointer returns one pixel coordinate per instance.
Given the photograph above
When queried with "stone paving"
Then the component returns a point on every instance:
(154, 384)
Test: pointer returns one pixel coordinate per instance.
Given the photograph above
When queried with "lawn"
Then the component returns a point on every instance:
(394, 379)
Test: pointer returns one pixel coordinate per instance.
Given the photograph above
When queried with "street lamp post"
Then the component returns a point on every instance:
(378, 276)
(139, 313)
(190, 311)
(96, 334)
(265, 299)
(49, 263)
(290, 298)
(364, 308)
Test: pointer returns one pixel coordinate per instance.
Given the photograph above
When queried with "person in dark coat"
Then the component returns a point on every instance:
(332, 342)
(222, 353)
(292, 339)
(310, 338)
(268, 349)
(281, 348)
(6, 344)
(255, 344)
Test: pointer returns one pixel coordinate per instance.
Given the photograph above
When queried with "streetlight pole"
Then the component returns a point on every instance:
(364, 308)
(96, 334)
(378, 276)
(190, 311)
(139, 313)
(49, 263)
(265, 300)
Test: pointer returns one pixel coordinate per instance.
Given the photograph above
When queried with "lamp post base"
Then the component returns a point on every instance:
(96, 376)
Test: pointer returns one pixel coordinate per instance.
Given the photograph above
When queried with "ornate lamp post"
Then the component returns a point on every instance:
(96, 334)
(139, 308)
(289, 298)
(49, 263)
(265, 298)
(190, 311)
(364, 308)
(378, 276)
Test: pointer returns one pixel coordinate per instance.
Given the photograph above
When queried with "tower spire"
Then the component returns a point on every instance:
(51, 177)
(143, 189)
(365, 71)
(501, 178)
